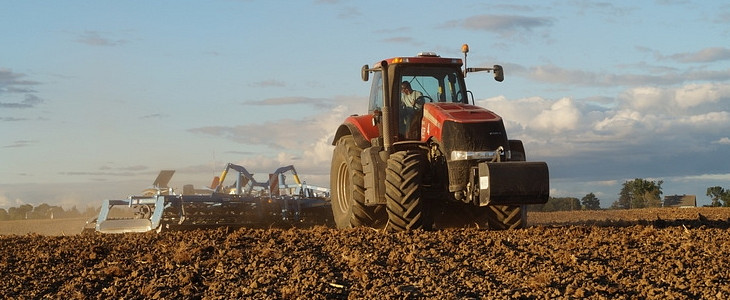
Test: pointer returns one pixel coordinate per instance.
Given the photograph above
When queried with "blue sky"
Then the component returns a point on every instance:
(97, 96)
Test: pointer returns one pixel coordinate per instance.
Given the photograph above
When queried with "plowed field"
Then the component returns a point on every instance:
(637, 254)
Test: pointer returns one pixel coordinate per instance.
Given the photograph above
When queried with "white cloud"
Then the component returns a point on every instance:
(504, 25)
(646, 98)
(553, 74)
(692, 95)
(710, 119)
(712, 177)
(644, 119)
(672, 100)
(723, 141)
(304, 143)
(321, 103)
(711, 54)
(606, 182)
(560, 193)
(517, 114)
(625, 123)
(562, 116)
(94, 38)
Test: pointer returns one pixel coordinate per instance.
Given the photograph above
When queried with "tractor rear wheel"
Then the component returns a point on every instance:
(406, 204)
(502, 217)
(347, 185)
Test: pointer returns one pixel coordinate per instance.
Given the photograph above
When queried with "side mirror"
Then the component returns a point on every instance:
(365, 73)
(498, 73)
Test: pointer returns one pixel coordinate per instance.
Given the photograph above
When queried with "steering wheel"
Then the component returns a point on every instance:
(422, 99)
(460, 97)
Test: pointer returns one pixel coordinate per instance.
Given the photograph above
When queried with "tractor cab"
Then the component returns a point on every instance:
(417, 81)
(413, 82)
(435, 83)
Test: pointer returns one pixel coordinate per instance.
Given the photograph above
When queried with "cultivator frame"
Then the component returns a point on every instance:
(246, 203)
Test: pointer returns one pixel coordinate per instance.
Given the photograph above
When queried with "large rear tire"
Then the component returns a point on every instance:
(503, 217)
(406, 205)
(348, 188)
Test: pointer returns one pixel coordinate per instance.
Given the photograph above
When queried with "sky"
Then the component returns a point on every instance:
(96, 97)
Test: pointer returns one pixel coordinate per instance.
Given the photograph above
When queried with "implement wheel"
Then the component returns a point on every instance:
(406, 205)
(348, 188)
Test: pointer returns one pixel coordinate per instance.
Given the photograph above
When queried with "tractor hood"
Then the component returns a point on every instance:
(435, 115)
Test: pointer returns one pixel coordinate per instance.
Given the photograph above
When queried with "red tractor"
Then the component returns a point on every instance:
(424, 157)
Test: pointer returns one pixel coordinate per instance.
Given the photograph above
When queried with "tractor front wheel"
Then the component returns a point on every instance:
(406, 205)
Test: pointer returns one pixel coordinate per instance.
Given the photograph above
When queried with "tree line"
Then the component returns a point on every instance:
(44, 211)
(588, 202)
(637, 193)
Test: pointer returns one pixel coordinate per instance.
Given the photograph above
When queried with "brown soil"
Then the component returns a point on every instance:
(644, 254)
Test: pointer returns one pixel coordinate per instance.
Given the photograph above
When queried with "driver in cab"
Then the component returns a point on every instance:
(410, 105)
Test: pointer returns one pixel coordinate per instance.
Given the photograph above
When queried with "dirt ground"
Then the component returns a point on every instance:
(44, 227)
(637, 254)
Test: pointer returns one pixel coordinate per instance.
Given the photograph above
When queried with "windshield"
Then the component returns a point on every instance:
(438, 84)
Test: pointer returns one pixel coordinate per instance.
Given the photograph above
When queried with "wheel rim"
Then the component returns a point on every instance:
(343, 188)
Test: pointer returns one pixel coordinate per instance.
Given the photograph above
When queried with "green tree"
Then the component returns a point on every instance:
(42, 211)
(57, 212)
(574, 203)
(590, 202)
(639, 193)
(4, 215)
(20, 213)
(719, 195)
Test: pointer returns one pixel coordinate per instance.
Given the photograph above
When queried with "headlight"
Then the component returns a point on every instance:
(480, 155)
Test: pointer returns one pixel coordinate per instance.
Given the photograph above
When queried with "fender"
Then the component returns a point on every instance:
(360, 127)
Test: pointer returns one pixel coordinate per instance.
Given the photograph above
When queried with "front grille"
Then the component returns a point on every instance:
(485, 136)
